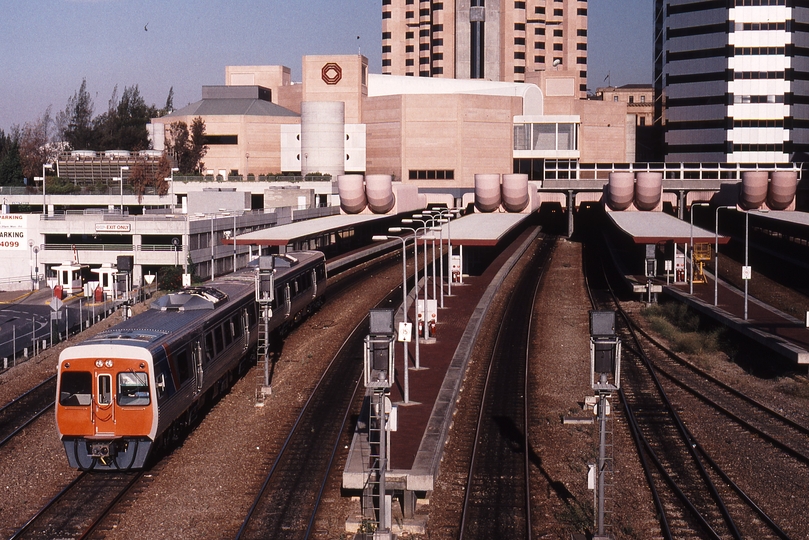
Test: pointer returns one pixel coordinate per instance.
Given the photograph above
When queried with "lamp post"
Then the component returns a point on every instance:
(212, 216)
(416, 270)
(716, 256)
(426, 290)
(404, 308)
(447, 214)
(173, 200)
(691, 248)
(123, 168)
(44, 203)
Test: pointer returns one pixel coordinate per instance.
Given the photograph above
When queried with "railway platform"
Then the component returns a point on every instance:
(423, 424)
(780, 332)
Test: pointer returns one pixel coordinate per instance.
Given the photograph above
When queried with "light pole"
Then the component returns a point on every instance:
(447, 214)
(123, 168)
(691, 247)
(44, 203)
(416, 270)
(426, 290)
(173, 200)
(212, 216)
(404, 308)
(716, 256)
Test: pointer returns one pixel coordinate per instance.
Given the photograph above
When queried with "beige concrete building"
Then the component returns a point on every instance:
(639, 99)
(501, 40)
(434, 132)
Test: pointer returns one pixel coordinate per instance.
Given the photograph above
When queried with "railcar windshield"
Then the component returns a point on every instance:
(76, 388)
(133, 388)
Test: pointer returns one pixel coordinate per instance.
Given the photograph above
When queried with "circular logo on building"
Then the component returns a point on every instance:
(331, 73)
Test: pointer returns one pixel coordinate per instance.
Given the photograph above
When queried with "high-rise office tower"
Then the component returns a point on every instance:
(732, 80)
(499, 40)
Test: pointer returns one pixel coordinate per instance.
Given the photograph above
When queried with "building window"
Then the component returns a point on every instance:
(557, 33)
(424, 12)
(386, 14)
(221, 139)
(581, 46)
(539, 45)
(385, 2)
(438, 28)
(519, 41)
(438, 42)
(642, 120)
(519, 69)
(409, 62)
(539, 10)
(632, 99)
(557, 46)
(558, 13)
(386, 62)
(581, 12)
(424, 33)
(615, 98)
(438, 6)
(410, 14)
(519, 56)
(409, 2)
(539, 59)
(438, 71)
(438, 56)
(409, 35)
(424, 46)
(581, 60)
(386, 35)
(385, 49)
(519, 5)
(431, 174)
(424, 60)
(539, 31)
(581, 32)
(643, 99)
(519, 27)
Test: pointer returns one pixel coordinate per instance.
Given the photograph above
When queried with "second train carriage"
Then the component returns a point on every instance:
(124, 390)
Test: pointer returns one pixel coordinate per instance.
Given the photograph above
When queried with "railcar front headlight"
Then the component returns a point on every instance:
(99, 363)
(108, 363)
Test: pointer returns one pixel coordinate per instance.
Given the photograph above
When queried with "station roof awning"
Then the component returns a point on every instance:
(481, 229)
(656, 227)
(793, 218)
(300, 230)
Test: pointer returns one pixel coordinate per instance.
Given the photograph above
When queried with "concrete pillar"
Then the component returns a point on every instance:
(571, 206)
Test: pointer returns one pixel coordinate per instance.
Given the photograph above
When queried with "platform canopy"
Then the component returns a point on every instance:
(657, 227)
(302, 230)
(480, 229)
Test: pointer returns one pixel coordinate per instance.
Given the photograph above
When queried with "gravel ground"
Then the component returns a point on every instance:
(202, 489)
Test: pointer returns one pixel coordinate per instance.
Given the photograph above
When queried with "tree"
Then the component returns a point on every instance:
(34, 147)
(123, 126)
(10, 164)
(77, 121)
(188, 147)
(169, 108)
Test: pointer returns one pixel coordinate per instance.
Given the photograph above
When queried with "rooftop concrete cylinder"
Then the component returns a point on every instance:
(352, 193)
(515, 192)
(379, 191)
(754, 189)
(487, 192)
(621, 190)
(323, 137)
(783, 185)
(648, 190)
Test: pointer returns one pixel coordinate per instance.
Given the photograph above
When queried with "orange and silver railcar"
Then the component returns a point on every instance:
(128, 389)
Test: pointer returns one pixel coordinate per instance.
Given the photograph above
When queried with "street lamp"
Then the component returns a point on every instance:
(416, 268)
(173, 200)
(44, 203)
(716, 256)
(424, 227)
(123, 168)
(212, 245)
(691, 247)
(447, 214)
(404, 308)
(441, 220)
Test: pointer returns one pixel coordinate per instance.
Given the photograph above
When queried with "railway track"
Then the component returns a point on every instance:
(288, 500)
(497, 502)
(20, 412)
(79, 507)
(695, 495)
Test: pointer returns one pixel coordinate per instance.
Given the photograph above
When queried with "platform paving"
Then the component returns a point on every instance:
(416, 447)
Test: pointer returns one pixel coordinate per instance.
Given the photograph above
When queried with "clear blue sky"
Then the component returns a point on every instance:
(49, 46)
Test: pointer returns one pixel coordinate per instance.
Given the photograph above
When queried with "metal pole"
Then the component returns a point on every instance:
(404, 319)
(602, 451)
(416, 272)
(716, 257)
(746, 229)
(383, 464)
(212, 254)
(441, 261)
(234, 242)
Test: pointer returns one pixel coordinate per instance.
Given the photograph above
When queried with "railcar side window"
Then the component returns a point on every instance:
(183, 367)
(104, 389)
(228, 328)
(217, 339)
(236, 323)
(76, 389)
(133, 388)
(209, 352)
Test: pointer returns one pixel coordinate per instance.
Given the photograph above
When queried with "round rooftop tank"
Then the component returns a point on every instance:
(621, 190)
(379, 190)
(754, 189)
(83, 153)
(783, 185)
(117, 153)
(515, 192)
(352, 193)
(648, 190)
(487, 192)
